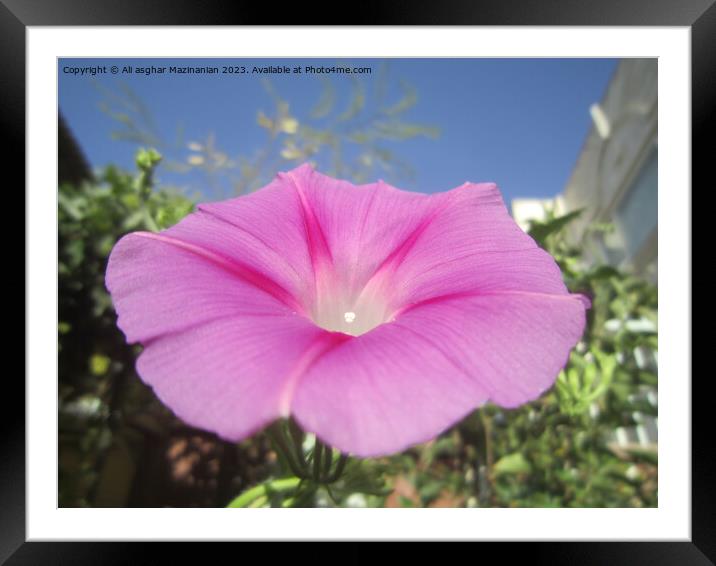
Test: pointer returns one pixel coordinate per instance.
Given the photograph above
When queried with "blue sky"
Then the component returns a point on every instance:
(518, 122)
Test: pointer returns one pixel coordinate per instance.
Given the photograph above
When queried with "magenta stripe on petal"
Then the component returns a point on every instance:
(236, 267)
(318, 248)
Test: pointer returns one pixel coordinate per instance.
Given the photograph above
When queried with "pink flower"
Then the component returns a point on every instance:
(376, 317)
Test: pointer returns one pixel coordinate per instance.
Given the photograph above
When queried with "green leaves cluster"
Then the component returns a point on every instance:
(560, 450)
(94, 360)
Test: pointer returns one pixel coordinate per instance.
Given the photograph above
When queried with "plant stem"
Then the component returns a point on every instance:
(327, 462)
(486, 488)
(487, 426)
(338, 471)
(297, 438)
(278, 437)
(317, 449)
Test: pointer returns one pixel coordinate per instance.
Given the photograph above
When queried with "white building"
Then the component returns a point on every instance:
(615, 177)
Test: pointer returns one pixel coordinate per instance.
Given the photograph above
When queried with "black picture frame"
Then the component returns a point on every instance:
(699, 15)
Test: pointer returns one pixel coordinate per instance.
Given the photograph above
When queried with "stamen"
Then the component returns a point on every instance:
(350, 316)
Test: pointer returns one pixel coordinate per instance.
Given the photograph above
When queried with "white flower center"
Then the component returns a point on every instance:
(353, 317)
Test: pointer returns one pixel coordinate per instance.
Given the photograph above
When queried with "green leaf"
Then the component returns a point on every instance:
(99, 364)
(356, 104)
(327, 100)
(409, 99)
(147, 158)
(260, 493)
(512, 464)
(540, 230)
(71, 206)
(134, 220)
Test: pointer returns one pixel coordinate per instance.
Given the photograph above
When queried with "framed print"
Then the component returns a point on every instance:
(255, 301)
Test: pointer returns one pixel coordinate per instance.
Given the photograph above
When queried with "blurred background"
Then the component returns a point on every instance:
(572, 143)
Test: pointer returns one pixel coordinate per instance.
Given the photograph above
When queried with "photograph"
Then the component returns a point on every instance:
(397, 282)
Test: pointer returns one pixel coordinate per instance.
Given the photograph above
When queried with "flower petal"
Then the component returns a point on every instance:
(222, 302)
(223, 346)
(408, 380)
(162, 284)
(231, 376)
(361, 225)
(264, 230)
(473, 245)
(412, 246)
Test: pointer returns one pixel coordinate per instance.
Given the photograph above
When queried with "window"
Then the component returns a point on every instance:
(637, 214)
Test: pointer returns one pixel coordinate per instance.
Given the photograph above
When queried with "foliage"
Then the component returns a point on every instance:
(558, 451)
(95, 363)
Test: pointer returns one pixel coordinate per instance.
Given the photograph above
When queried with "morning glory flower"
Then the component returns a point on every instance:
(375, 317)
